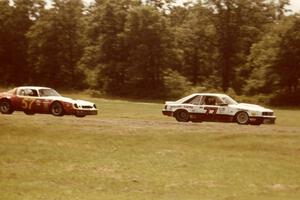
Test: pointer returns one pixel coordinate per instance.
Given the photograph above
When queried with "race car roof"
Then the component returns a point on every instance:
(33, 87)
(202, 94)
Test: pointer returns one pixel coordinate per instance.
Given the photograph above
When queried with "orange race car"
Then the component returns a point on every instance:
(43, 100)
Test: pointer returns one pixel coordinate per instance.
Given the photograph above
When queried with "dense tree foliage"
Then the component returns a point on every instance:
(55, 45)
(274, 62)
(15, 22)
(152, 48)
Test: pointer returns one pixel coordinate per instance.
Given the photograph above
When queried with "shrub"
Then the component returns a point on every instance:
(175, 84)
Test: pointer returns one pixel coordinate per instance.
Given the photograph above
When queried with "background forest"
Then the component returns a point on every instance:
(153, 48)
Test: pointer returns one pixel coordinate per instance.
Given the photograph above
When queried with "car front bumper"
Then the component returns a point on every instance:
(85, 112)
(264, 119)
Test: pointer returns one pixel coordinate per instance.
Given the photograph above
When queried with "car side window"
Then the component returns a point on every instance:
(28, 92)
(21, 92)
(211, 100)
(32, 93)
(195, 100)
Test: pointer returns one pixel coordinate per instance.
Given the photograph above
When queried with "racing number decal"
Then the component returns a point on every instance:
(27, 103)
(211, 110)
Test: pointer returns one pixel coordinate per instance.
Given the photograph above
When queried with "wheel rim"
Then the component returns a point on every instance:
(242, 118)
(183, 116)
(5, 107)
(56, 109)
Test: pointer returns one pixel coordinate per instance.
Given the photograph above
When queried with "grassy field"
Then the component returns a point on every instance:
(130, 151)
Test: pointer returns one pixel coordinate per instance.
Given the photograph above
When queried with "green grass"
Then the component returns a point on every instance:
(130, 151)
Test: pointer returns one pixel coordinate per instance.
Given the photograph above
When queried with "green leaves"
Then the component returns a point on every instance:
(56, 45)
(126, 47)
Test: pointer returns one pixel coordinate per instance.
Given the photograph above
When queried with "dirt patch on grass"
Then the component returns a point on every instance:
(93, 124)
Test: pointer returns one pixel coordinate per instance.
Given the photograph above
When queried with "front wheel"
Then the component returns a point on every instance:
(56, 109)
(6, 107)
(242, 118)
(182, 116)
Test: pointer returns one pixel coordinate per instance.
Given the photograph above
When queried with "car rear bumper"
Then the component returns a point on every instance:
(167, 113)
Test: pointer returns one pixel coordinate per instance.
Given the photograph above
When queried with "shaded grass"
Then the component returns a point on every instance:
(130, 151)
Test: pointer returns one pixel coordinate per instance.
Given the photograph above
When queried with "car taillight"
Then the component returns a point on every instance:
(75, 105)
(166, 106)
(95, 106)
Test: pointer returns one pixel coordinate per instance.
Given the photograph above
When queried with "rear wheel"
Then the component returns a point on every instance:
(182, 116)
(56, 109)
(6, 107)
(242, 118)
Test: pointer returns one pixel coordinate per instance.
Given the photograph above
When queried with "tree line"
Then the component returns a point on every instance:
(153, 48)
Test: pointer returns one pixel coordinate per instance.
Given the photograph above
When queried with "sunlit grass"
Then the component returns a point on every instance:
(130, 151)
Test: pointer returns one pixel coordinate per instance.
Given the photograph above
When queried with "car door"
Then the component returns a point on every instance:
(211, 108)
(26, 100)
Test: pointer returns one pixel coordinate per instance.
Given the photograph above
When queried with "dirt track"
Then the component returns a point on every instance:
(168, 124)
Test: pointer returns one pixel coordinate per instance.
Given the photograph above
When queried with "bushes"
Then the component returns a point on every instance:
(175, 85)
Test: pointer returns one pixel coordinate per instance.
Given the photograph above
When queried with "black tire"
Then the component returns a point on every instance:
(57, 109)
(242, 118)
(6, 107)
(182, 116)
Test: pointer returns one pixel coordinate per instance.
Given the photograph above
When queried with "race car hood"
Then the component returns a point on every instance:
(84, 103)
(251, 107)
(69, 100)
(59, 98)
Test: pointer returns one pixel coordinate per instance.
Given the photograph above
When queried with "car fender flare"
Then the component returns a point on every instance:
(179, 109)
(179, 117)
(6, 99)
(239, 111)
(56, 101)
(236, 113)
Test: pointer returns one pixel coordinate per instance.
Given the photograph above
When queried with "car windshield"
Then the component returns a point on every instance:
(228, 100)
(48, 93)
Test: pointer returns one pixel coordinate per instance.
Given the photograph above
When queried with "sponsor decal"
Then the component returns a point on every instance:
(253, 113)
(211, 110)
(27, 103)
(188, 107)
(222, 109)
(38, 102)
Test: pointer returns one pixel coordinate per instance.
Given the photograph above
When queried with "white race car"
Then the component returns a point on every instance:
(217, 108)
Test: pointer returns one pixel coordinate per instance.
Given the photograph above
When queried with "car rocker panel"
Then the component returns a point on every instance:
(222, 108)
